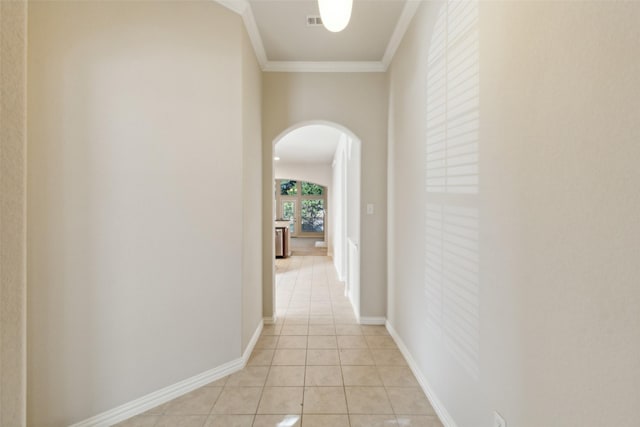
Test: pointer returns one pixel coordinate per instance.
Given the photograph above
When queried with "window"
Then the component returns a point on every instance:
(304, 204)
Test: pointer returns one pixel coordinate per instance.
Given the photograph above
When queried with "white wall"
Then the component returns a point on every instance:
(251, 192)
(317, 173)
(13, 48)
(357, 264)
(355, 101)
(135, 271)
(544, 327)
(338, 209)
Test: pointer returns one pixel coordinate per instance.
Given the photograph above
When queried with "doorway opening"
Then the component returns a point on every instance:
(303, 206)
(316, 195)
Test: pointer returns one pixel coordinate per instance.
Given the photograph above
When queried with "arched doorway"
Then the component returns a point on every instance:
(338, 170)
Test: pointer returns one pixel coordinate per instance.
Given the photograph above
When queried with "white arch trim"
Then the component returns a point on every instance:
(302, 124)
(350, 244)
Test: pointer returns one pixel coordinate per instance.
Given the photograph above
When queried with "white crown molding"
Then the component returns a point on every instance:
(254, 35)
(324, 66)
(409, 10)
(243, 8)
(238, 6)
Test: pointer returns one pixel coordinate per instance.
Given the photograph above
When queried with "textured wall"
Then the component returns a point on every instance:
(523, 296)
(135, 269)
(13, 27)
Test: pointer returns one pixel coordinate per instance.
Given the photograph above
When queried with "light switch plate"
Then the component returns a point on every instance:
(369, 208)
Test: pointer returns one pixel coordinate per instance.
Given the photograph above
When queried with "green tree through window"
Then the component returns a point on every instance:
(312, 215)
(311, 189)
(288, 188)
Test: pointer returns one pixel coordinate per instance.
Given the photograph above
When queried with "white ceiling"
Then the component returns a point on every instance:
(283, 42)
(286, 36)
(309, 144)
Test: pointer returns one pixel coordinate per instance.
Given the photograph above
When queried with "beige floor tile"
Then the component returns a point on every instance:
(388, 357)
(348, 330)
(374, 330)
(356, 357)
(418, 421)
(292, 341)
(296, 321)
(319, 312)
(295, 330)
(261, 357)
(271, 329)
(346, 320)
(320, 320)
(281, 400)
(368, 400)
(324, 400)
(283, 376)
(360, 376)
(159, 410)
(352, 341)
(397, 376)
(197, 402)
(323, 376)
(238, 401)
(218, 383)
(380, 341)
(289, 357)
(322, 357)
(292, 420)
(181, 421)
(373, 421)
(139, 421)
(322, 342)
(310, 301)
(267, 341)
(251, 376)
(229, 421)
(409, 401)
(322, 330)
(312, 420)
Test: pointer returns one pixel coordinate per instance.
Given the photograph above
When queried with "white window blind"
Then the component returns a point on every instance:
(453, 101)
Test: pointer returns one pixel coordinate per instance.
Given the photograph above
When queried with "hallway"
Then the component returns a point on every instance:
(316, 367)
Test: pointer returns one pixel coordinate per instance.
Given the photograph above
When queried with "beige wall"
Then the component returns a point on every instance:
(13, 27)
(135, 267)
(251, 192)
(358, 102)
(555, 310)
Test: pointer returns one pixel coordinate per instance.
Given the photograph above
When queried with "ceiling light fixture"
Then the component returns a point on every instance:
(276, 158)
(335, 14)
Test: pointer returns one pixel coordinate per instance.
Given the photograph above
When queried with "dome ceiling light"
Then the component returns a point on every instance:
(335, 14)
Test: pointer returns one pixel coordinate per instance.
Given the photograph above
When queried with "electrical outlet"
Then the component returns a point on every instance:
(498, 421)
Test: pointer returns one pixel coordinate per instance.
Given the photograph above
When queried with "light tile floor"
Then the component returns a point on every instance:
(316, 367)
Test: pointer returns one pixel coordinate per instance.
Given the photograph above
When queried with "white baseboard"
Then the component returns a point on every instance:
(151, 400)
(364, 320)
(269, 320)
(353, 306)
(252, 343)
(437, 404)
